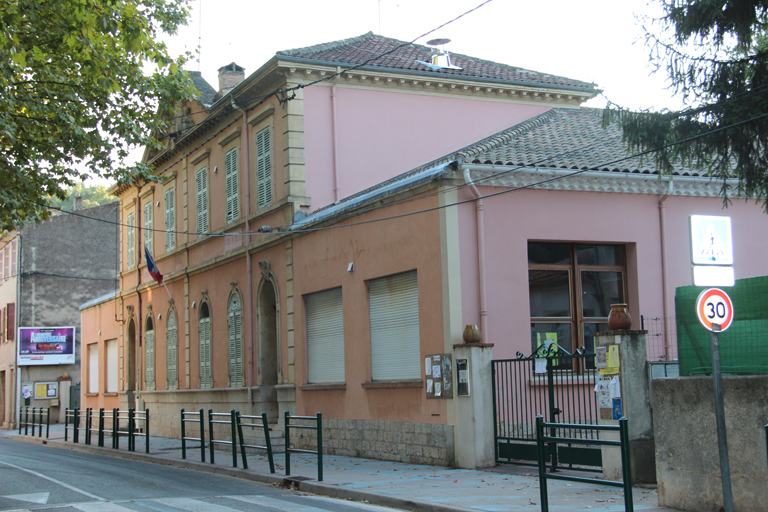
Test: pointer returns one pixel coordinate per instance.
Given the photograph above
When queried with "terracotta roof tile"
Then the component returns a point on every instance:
(358, 50)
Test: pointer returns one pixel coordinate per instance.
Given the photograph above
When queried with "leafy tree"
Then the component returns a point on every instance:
(715, 54)
(74, 94)
(93, 195)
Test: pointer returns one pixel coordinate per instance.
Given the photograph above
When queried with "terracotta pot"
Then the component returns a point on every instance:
(472, 334)
(618, 318)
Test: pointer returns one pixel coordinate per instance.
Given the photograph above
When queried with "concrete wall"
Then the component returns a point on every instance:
(687, 460)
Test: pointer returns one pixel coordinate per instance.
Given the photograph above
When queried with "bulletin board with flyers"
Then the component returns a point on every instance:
(439, 373)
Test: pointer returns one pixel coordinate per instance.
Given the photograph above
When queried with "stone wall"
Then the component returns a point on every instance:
(687, 457)
(415, 443)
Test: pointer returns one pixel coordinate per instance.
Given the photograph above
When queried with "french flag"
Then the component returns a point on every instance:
(152, 268)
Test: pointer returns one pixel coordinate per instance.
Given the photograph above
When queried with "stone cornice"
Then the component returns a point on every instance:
(588, 181)
(447, 85)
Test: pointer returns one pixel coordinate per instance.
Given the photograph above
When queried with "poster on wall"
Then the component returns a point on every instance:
(46, 346)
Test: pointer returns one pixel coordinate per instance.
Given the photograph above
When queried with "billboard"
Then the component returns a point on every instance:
(46, 345)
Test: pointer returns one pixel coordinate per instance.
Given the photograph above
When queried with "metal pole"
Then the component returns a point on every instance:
(26, 420)
(553, 411)
(233, 428)
(626, 468)
(115, 428)
(269, 442)
(183, 437)
(242, 441)
(722, 439)
(48, 423)
(131, 428)
(21, 412)
(66, 423)
(202, 435)
(146, 428)
(210, 431)
(76, 432)
(319, 447)
(34, 417)
(542, 463)
(101, 427)
(287, 445)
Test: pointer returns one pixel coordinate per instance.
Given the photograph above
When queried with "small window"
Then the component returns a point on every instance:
(394, 317)
(263, 168)
(172, 350)
(325, 337)
(149, 347)
(93, 368)
(131, 242)
(148, 226)
(112, 371)
(204, 335)
(170, 220)
(233, 207)
(201, 180)
(235, 339)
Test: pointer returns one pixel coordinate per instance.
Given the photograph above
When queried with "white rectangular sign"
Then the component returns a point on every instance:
(711, 240)
(713, 276)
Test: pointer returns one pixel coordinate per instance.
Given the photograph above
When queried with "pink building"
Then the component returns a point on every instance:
(321, 236)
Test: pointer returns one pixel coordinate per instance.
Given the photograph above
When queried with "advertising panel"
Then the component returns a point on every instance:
(46, 345)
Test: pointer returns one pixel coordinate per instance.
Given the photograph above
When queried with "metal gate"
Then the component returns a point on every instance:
(555, 384)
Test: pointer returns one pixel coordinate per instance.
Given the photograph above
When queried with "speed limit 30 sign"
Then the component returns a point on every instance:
(714, 306)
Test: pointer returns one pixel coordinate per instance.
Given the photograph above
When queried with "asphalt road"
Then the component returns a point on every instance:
(35, 477)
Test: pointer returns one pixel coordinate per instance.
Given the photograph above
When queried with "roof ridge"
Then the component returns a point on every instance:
(327, 46)
(509, 134)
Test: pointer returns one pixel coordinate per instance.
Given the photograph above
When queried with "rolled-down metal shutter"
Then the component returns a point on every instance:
(394, 316)
(93, 368)
(325, 337)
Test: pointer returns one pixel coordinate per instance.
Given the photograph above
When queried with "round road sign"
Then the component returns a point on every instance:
(714, 306)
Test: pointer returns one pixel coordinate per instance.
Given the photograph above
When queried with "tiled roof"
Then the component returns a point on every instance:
(567, 139)
(358, 50)
(204, 88)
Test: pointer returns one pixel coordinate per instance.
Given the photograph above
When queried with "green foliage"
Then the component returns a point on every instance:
(75, 94)
(716, 57)
(91, 196)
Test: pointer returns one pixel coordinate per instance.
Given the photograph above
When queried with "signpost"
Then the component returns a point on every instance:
(712, 250)
(715, 311)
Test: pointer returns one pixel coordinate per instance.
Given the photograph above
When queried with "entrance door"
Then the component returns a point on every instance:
(130, 365)
(268, 350)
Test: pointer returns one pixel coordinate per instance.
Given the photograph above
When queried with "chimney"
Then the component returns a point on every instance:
(229, 77)
(78, 202)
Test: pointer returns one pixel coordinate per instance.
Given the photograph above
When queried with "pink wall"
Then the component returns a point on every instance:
(513, 219)
(384, 134)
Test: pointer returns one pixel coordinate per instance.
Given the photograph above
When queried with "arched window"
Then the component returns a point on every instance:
(235, 339)
(204, 336)
(172, 352)
(149, 347)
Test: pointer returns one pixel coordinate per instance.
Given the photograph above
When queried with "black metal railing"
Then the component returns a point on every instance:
(267, 441)
(129, 424)
(318, 426)
(623, 443)
(70, 423)
(192, 417)
(140, 429)
(40, 418)
(217, 418)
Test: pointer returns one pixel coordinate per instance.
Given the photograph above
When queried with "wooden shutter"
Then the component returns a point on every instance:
(394, 318)
(230, 163)
(131, 243)
(3, 338)
(148, 238)
(14, 258)
(325, 337)
(111, 346)
(3, 277)
(204, 335)
(263, 168)
(170, 220)
(201, 180)
(93, 368)
(10, 321)
(234, 330)
(7, 254)
(172, 341)
(149, 372)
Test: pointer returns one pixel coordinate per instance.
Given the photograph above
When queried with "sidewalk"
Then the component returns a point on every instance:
(406, 486)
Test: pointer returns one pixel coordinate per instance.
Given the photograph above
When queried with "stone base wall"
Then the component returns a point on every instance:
(415, 443)
(687, 457)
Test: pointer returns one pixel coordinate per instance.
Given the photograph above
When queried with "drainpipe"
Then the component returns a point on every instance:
(16, 396)
(248, 267)
(664, 301)
(140, 323)
(480, 250)
(335, 144)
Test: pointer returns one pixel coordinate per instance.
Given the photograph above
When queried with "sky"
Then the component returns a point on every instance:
(598, 41)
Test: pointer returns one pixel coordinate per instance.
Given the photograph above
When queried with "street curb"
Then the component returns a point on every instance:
(319, 488)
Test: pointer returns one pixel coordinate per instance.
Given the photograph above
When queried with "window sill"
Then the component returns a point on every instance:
(111, 393)
(324, 387)
(91, 394)
(390, 384)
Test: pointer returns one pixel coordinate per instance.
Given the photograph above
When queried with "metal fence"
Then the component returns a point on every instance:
(660, 344)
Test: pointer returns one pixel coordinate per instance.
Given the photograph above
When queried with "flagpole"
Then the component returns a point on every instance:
(166, 289)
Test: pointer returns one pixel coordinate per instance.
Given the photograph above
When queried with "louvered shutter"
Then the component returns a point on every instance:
(111, 348)
(325, 337)
(394, 318)
(230, 163)
(263, 168)
(172, 340)
(13, 257)
(170, 220)
(204, 335)
(201, 179)
(3, 277)
(7, 258)
(130, 260)
(149, 375)
(234, 328)
(93, 368)
(148, 226)
(10, 321)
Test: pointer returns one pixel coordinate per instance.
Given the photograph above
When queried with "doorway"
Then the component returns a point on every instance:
(130, 365)
(269, 348)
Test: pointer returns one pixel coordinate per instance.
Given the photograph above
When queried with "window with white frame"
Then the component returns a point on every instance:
(204, 336)
(170, 220)
(112, 371)
(93, 368)
(201, 180)
(130, 259)
(148, 226)
(233, 206)
(325, 337)
(235, 340)
(149, 356)
(263, 168)
(172, 350)
(393, 304)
